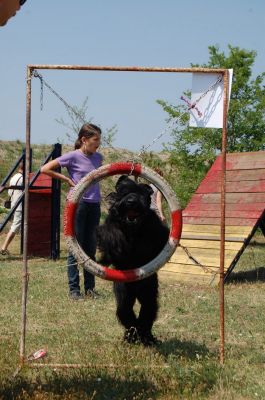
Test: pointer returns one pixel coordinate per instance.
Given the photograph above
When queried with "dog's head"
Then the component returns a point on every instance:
(130, 203)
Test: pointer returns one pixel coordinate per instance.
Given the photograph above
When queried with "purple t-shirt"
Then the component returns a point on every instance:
(78, 165)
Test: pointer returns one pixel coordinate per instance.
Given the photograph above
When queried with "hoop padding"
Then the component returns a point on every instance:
(106, 272)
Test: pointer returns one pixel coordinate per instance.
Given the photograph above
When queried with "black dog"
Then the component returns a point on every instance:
(131, 236)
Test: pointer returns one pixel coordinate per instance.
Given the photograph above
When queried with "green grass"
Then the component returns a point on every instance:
(184, 366)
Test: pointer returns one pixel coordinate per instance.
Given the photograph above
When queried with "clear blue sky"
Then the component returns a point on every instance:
(167, 33)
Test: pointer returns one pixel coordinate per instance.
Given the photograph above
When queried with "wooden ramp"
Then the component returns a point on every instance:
(197, 259)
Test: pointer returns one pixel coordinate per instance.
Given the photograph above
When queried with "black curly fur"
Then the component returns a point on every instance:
(131, 236)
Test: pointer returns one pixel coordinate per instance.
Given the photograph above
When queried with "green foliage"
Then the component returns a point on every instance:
(193, 150)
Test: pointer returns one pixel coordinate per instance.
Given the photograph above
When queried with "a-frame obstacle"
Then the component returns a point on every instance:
(197, 260)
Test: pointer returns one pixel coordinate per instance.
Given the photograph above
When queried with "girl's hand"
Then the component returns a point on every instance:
(70, 182)
(162, 217)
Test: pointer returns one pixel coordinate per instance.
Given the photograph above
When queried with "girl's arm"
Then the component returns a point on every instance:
(159, 205)
(49, 169)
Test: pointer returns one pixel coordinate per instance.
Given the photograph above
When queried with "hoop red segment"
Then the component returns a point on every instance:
(69, 218)
(113, 274)
(125, 168)
(120, 276)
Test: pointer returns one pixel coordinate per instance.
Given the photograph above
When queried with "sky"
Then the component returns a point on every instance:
(148, 33)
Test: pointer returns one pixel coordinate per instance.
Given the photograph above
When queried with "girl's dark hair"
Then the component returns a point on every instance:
(87, 130)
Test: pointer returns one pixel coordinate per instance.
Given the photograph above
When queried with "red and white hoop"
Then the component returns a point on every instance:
(100, 270)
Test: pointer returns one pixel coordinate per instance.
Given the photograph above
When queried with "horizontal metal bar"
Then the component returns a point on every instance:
(125, 69)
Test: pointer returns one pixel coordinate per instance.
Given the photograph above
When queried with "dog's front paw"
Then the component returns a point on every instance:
(131, 335)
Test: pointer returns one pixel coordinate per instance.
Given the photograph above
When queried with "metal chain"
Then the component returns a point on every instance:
(191, 105)
(143, 150)
(35, 74)
(194, 104)
(206, 269)
(67, 105)
(169, 127)
(41, 94)
(219, 79)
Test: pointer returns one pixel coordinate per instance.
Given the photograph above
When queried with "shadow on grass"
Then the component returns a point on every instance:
(78, 384)
(11, 258)
(185, 349)
(253, 275)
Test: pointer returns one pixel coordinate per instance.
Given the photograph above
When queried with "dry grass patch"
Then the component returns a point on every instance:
(184, 366)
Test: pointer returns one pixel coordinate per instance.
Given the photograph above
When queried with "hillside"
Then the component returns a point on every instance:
(11, 150)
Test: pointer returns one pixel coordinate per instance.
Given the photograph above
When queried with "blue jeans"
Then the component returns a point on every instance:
(86, 221)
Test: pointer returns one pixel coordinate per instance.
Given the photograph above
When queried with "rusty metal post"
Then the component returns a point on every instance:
(25, 231)
(222, 243)
(125, 68)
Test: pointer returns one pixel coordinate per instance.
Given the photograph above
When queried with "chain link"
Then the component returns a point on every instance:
(191, 105)
(67, 105)
(219, 79)
(195, 261)
(194, 104)
(170, 126)
(143, 150)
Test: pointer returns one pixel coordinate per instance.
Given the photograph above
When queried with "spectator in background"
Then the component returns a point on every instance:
(8, 9)
(14, 194)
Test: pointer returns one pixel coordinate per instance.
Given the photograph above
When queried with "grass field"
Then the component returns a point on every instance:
(184, 366)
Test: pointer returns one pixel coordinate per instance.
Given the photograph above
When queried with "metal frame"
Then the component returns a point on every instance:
(25, 274)
(55, 209)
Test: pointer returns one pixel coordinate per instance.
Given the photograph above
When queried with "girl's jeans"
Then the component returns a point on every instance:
(86, 221)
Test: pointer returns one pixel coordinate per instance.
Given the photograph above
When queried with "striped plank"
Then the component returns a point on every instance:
(216, 214)
(209, 186)
(237, 175)
(231, 198)
(247, 160)
(229, 207)
(202, 253)
(215, 229)
(214, 238)
(217, 221)
(206, 258)
(209, 244)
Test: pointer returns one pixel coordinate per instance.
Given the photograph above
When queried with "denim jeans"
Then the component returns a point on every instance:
(86, 221)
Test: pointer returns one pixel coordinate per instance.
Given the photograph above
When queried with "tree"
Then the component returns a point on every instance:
(193, 150)
(78, 116)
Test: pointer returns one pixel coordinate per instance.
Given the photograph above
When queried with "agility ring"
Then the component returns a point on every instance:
(97, 175)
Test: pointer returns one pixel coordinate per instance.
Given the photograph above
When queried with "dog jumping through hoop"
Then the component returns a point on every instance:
(131, 236)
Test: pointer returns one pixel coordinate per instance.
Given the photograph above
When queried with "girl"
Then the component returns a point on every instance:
(79, 163)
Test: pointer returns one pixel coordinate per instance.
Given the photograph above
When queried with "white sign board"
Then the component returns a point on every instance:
(208, 111)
